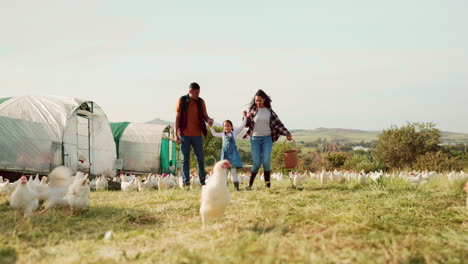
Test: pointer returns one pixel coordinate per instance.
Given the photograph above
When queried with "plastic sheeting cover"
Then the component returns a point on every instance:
(4, 99)
(39, 133)
(140, 147)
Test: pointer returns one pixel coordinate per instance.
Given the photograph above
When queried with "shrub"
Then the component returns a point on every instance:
(400, 147)
(436, 161)
(358, 161)
(336, 159)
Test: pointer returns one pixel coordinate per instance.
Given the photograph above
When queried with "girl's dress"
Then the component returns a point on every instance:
(229, 149)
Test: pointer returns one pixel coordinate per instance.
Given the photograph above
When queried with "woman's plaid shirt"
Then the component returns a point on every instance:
(276, 126)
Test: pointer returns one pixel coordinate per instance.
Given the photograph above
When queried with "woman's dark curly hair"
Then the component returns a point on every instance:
(262, 94)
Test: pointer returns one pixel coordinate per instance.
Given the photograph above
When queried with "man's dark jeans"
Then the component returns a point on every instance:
(197, 144)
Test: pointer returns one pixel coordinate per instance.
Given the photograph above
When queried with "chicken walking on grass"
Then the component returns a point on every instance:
(59, 180)
(215, 194)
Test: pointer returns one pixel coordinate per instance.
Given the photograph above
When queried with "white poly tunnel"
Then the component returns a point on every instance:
(145, 148)
(39, 133)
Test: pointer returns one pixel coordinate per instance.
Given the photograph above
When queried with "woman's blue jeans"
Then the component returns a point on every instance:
(261, 152)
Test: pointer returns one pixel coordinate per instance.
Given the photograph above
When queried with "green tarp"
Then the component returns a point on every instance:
(173, 161)
(167, 161)
(164, 155)
(4, 99)
(118, 129)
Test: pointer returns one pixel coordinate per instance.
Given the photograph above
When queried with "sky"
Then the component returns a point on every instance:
(360, 64)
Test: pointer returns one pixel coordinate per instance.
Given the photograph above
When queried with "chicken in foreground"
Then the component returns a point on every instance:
(59, 179)
(215, 194)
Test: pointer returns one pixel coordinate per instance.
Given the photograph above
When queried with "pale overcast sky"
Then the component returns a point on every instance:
(360, 64)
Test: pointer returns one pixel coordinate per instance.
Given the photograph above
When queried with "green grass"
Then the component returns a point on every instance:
(337, 223)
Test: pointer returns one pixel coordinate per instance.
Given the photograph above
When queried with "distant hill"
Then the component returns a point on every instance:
(159, 121)
(355, 135)
(342, 135)
(334, 134)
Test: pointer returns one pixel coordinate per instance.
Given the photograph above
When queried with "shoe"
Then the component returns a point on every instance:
(248, 188)
(267, 175)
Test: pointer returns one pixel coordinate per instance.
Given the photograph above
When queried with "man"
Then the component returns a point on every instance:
(189, 126)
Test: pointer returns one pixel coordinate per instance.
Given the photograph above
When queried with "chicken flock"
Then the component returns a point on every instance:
(62, 188)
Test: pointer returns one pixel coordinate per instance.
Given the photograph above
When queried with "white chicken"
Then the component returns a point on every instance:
(37, 181)
(246, 178)
(337, 176)
(274, 176)
(299, 179)
(215, 195)
(414, 180)
(4, 188)
(41, 188)
(375, 176)
(78, 194)
(13, 185)
(195, 183)
(171, 181)
(129, 186)
(92, 184)
(59, 179)
(362, 177)
(117, 179)
(127, 178)
(24, 199)
(145, 185)
(162, 185)
(324, 177)
(181, 182)
(314, 176)
(427, 176)
(101, 183)
(44, 180)
(154, 180)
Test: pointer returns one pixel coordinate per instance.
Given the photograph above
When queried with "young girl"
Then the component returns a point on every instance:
(229, 150)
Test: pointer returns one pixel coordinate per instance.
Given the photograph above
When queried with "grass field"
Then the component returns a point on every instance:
(390, 222)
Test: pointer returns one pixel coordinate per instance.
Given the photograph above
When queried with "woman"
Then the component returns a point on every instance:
(264, 128)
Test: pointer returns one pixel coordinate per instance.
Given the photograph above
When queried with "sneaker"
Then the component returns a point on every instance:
(248, 188)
